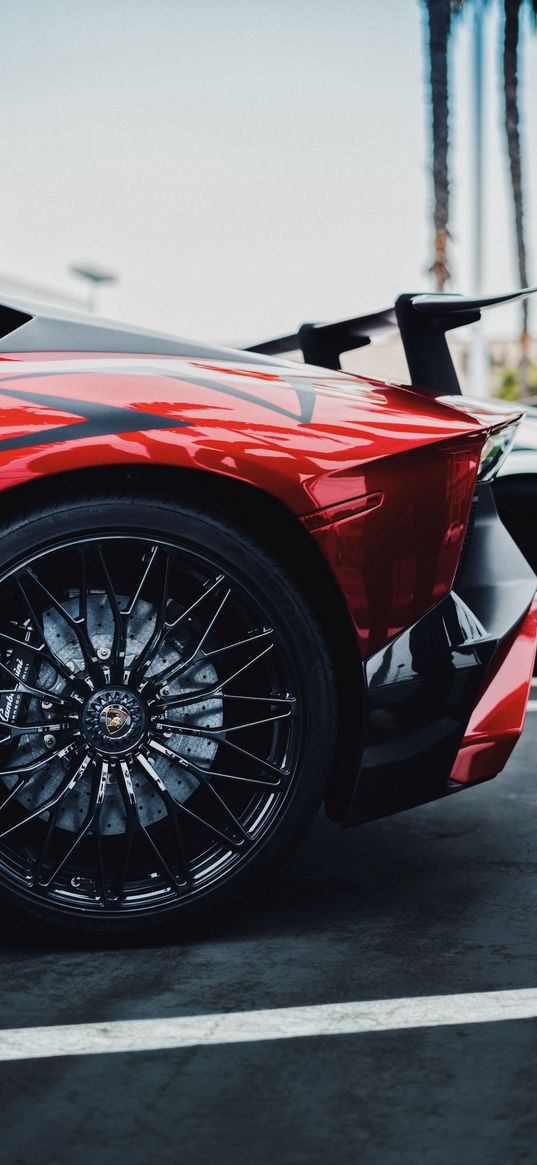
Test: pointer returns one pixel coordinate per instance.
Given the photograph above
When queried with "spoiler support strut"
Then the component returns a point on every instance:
(423, 321)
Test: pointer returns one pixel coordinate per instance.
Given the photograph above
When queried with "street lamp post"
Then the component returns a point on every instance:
(94, 277)
(478, 351)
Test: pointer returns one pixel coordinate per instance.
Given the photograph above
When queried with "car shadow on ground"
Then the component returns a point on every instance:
(338, 878)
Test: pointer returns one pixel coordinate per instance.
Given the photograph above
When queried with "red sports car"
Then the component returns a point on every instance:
(233, 586)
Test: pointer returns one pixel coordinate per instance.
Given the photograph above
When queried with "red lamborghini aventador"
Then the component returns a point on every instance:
(233, 586)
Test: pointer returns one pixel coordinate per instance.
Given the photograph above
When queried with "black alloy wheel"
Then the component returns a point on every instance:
(167, 712)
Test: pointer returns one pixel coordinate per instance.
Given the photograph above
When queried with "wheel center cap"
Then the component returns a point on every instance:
(114, 720)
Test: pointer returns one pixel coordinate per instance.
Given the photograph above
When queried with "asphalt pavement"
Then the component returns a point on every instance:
(434, 902)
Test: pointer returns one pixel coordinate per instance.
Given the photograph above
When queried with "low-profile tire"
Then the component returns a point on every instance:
(167, 714)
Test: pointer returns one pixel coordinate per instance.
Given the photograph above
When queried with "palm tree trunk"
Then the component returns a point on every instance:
(439, 24)
(512, 9)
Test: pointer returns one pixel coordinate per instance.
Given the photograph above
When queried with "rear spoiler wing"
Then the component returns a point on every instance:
(423, 321)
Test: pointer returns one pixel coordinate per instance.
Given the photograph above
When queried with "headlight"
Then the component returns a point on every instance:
(495, 450)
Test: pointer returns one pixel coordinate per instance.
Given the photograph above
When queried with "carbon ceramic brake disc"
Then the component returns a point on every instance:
(195, 748)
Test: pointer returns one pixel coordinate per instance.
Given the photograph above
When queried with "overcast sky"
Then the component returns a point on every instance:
(242, 164)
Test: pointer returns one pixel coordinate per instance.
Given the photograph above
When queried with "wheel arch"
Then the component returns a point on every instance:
(271, 523)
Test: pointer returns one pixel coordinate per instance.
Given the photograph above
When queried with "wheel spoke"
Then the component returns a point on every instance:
(202, 777)
(121, 616)
(98, 793)
(163, 627)
(151, 559)
(206, 594)
(263, 764)
(83, 586)
(167, 797)
(261, 699)
(35, 618)
(43, 853)
(252, 723)
(80, 686)
(214, 689)
(133, 812)
(219, 735)
(195, 769)
(131, 827)
(41, 693)
(45, 882)
(174, 671)
(159, 631)
(30, 770)
(66, 786)
(197, 653)
(119, 642)
(35, 765)
(196, 695)
(99, 849)
(17, 730)
(78, 625)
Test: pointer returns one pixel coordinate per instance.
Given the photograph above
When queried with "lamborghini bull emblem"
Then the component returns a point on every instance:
(115, 718)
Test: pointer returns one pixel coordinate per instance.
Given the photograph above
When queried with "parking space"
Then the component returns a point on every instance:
(436, 902)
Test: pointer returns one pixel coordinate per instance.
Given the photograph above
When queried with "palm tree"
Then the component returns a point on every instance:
(439, 18)
(511, 36)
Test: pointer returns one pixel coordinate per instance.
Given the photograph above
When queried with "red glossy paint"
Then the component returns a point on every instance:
(332, 515)
(498, 717)
(394, 561)
(312, 439)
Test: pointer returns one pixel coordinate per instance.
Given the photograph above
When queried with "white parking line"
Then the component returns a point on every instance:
(148, 1035)
(531, 706)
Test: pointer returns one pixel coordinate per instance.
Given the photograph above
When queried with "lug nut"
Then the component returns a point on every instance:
(70, 665)
(103, 653)
(49, 740)
(165, 691)
(46, 704)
